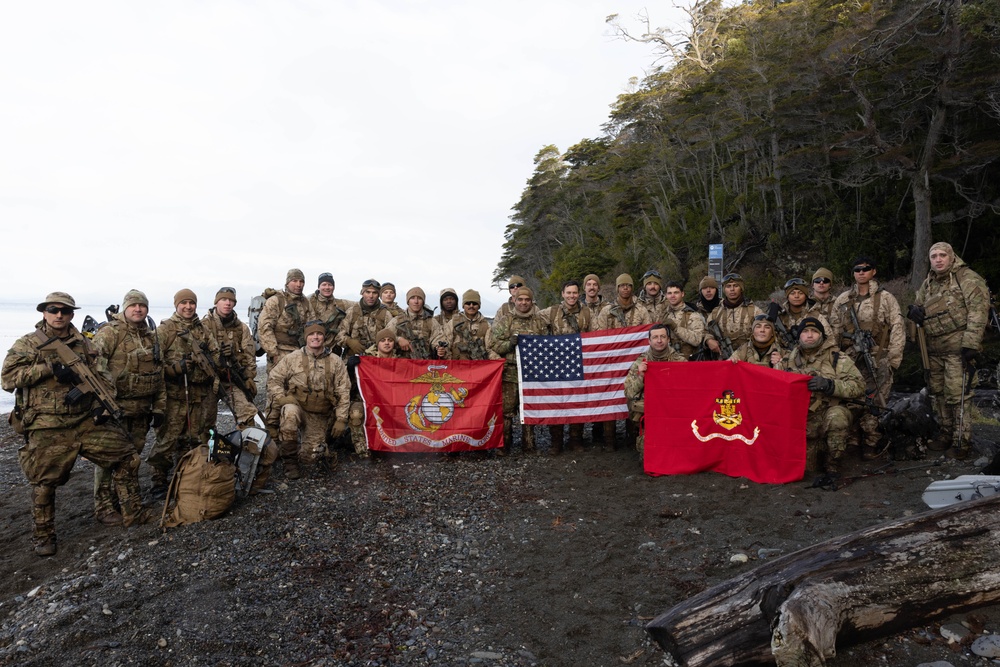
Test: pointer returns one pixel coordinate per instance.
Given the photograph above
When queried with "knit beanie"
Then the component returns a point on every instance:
(708, 281)
(822, 272)
(326, 278)
(185, 294)
(316, 326)
(415, 291)
(294, 274)
(592, 276)
(385, 333)
(134, 297)
(524, 291)
(226, 293)
(624, 279)
(470, 295)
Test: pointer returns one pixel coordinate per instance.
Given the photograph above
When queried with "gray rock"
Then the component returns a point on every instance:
(936, 663)
(987, 646)
(954, 632)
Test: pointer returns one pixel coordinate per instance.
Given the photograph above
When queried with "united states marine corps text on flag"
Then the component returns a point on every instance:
(577, 378)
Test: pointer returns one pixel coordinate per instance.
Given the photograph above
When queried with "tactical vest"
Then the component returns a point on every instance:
(141, 374)
(310, 398)
(471, 343)
(289, 328)
(945, 308)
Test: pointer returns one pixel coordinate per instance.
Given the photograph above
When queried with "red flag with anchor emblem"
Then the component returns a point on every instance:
(738, 419)
(416, 405)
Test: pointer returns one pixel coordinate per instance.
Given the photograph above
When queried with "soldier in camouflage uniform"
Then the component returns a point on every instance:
(568, 317)
(384, 348)
(734, 314)
(822, 296)
(877, 311)
(58, 430)
(524, 319)
(236, 355)
(363, 320)
(687, 326)
(312, 393)
(708, 296)
(323, 306)
(591, 297)
(513, 284)
(468, 334)
(134, 361)
(416, 330)
(192, 391)
(282, 319)
(449, 306)
(952, 305)
(387, 295)
(660, 349)
(652, 296)
(797, 306)
(625, 311)
(763, 348)
(834, 378)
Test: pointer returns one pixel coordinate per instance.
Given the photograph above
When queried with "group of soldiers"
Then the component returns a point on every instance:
(171, 377)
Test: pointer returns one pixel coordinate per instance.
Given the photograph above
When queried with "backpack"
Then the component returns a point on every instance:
(203, 486)
(253, 313)
(253, 460)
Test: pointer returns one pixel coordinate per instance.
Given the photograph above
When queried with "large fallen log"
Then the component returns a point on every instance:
(795, 610)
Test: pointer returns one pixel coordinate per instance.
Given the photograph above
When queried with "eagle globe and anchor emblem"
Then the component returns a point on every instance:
(426, 413)
(728, 417)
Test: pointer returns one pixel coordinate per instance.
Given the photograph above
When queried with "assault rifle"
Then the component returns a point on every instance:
(199, 354)
(863, 345)
(725, 344)
(85, 381)
(788, 339)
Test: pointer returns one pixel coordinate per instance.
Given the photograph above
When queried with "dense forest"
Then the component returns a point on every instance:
(816, 129)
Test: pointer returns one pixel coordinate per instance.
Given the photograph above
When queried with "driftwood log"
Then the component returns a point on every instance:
(795, 610)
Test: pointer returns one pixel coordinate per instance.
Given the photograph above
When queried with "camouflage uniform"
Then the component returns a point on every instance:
(360, 324)
(877, 312)
(57, 433)
(635, 389)
(515, 324)
(616, 315)
(192, 395)
(956, 306)
(828, 422)
(311, 393)
(752, 354)
(654, 304)
(469, 339)
(356, 415)
(281, 325)
(443, 317)
(392, 306)
(792, 319)
(136, 368)
(687, 327)
(234, 334)
(421, 330)
(331, 312)
(735, 322)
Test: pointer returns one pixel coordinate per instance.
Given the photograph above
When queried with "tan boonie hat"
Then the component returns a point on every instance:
(61, 298)
(471, 295)
(185, 294)
(134, 297)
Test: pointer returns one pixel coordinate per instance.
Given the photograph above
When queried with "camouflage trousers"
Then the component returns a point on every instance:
(186, 423)
(243, 410)
(826, 434)
(48, 458)
(946, 389)
(865, 425)
(356, 422)
(105, 498)
(300, 426)
(511, 411)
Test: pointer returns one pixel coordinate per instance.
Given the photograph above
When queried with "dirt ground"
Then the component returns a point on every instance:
(527, 560)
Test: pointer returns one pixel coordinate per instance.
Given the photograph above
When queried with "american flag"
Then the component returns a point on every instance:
(577, 378)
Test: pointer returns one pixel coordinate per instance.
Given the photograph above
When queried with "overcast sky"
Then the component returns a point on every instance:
(200, 144)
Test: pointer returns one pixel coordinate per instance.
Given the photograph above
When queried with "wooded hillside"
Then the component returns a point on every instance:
(811, 126)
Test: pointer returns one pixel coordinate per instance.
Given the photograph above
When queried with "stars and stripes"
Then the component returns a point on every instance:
(577, 378)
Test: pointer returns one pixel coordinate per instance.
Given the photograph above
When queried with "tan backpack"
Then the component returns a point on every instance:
(202, 488)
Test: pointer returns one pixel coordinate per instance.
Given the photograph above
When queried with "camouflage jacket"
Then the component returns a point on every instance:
(735, 323)
(877, 312)
(616, 316)
(421, 330)
(135, 363)
(394, 309)
(750, 354)
(827, 362)
(39, 396)
(594, 308)
(331, 312)
(317, 383)
(792, 320)
(362, 324)
(237, 334)
(687, 327)
(281, 324)
(504, 343)
(563, 320)
(824, 308)
(956, 306)
(469, 339)
(635, 381)
(178, 339)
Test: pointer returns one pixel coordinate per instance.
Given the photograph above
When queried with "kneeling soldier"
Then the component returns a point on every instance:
(659, 350)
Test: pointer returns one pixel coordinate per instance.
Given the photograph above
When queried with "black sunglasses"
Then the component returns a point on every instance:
(817, 281)
(56, 310)
(863, 269)
(515, 285)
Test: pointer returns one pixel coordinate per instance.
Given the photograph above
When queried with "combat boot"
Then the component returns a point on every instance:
(575, 443)
(43, 513)
(527, 439)
(158, 481)
(556, 434)
(291, 466)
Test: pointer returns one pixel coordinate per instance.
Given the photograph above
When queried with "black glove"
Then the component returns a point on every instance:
(64, 374)
(916, 313)
(101, 415)
(821, 384)
(969, 356)
(156, 421)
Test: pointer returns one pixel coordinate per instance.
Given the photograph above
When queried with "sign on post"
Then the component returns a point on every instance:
(715, 261)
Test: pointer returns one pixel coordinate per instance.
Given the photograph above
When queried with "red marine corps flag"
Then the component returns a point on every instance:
(416, 405)
(738, 419)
